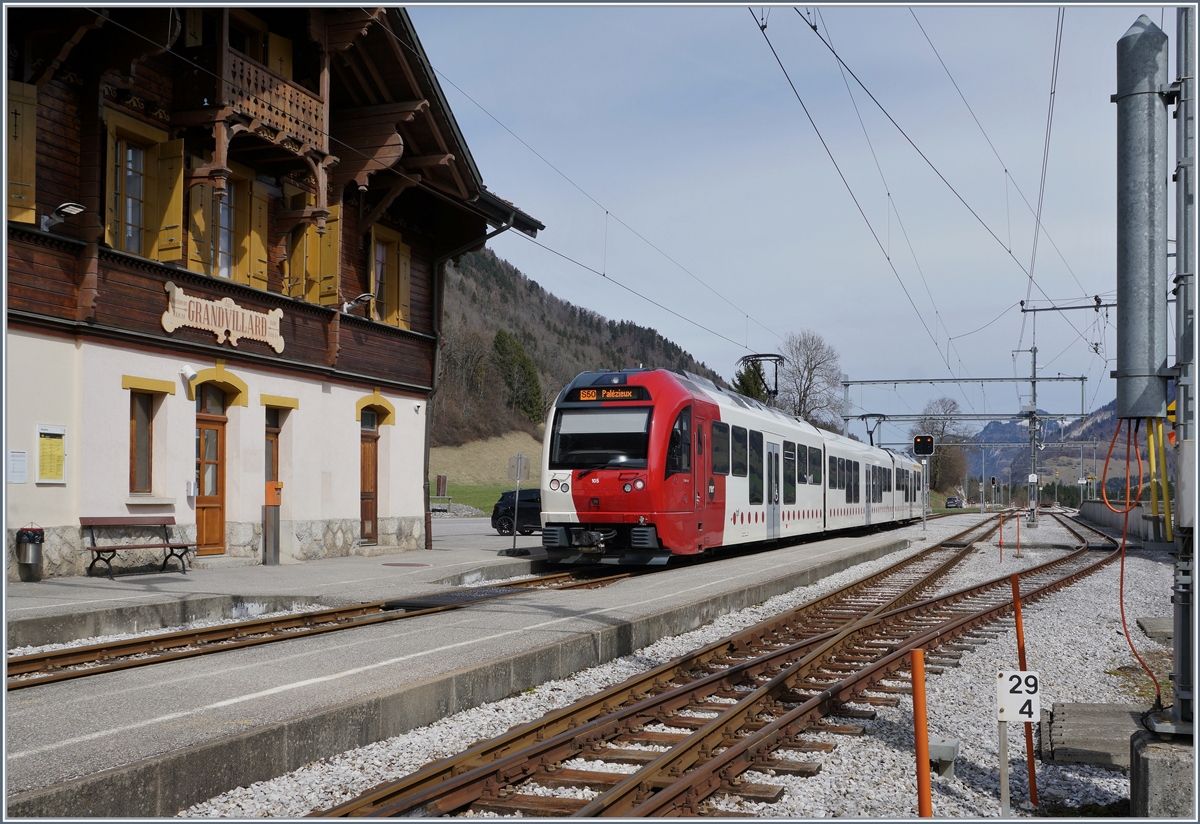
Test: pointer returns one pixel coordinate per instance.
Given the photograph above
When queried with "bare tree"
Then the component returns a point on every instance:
(948, 462)
(810, 378)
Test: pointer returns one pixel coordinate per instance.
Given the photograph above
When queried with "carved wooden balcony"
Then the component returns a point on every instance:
(296, 115)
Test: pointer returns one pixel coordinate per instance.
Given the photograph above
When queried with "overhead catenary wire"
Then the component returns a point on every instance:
(931, 165)
(1045, 161)
(846, 183)
(891, 205)
(1007, 175)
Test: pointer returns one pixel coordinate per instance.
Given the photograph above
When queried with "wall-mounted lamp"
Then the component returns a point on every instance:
(346, 307)
(417, 408)
(188, 373)
(60, 214)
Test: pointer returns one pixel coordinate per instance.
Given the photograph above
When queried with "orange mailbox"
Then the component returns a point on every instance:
(274, 489)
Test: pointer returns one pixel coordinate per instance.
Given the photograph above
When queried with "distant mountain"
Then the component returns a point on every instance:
(485, 294)
(1063, 446)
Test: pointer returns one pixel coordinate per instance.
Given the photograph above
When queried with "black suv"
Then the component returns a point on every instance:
(529, 513)
(954, 503)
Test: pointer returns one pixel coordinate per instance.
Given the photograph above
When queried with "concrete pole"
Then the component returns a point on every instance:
(1033, 435)
(1142, 221)
(1185, 362)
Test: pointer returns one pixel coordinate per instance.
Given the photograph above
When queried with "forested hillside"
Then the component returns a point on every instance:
(509, 347)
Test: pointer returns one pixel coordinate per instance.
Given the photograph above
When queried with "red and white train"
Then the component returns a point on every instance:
(639, 465)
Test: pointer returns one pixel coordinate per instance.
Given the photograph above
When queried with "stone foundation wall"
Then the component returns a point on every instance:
(63, 552)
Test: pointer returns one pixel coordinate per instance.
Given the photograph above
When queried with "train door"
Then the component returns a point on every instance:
(701, 478)
(869, 483)
(772, 499)
(679, 488)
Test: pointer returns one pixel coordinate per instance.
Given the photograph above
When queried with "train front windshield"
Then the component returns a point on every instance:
(613, 437)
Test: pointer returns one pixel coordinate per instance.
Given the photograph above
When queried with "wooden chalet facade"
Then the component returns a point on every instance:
(225, 234)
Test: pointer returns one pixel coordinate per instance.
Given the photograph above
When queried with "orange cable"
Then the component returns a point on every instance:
(1124, 537)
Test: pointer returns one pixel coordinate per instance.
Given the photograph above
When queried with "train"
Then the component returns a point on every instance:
(643, 465)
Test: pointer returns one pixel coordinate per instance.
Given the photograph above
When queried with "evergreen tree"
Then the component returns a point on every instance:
(522, 388)
(752, 382)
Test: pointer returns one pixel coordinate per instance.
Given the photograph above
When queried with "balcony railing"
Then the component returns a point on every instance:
(279, 103)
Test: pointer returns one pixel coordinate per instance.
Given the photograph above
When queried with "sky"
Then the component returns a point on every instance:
(666, 152)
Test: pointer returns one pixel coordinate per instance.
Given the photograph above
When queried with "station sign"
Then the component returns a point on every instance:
(224, 318)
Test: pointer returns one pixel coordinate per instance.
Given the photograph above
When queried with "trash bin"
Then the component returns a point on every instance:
(29, 553)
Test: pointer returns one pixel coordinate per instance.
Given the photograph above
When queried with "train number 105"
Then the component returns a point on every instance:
(1018, 696)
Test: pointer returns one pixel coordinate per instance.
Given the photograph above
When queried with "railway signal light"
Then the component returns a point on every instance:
(923, 445)
(993, 480)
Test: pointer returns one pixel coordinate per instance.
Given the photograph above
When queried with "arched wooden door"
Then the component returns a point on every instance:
(210, 470)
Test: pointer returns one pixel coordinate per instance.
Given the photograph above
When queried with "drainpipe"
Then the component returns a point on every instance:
(438, 284)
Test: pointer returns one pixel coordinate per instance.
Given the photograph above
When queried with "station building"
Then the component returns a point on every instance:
(226, 231)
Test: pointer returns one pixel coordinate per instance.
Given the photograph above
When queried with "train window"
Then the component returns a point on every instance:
(857, 485)
(679, 448)
(789, 472)
(814, 464)
(852, 482)
(756, 467)
(599, 438)
(841, 473)
(802, 463)
(739, 451)
(700, 440)
(720, 448)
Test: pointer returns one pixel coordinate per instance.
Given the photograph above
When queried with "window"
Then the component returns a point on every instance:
(144, 189)
(272, 444)
(210, 400)
(789, 472)
(856, 485)
(600, 438)
(802, 463)
(225, 253)
(227, 235)
(841, 474)
(720, 448)
(391, 278)
(129, 195)
(814, 464)
(756, 467)
(369, 420)
(833, 473)
(679, 448)
(141, 442)
(22, 152)
(739, 452)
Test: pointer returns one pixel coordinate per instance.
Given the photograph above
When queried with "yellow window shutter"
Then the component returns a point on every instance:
(22, 152)
(258, 235)
(405, 285)
(170, 200)
(112, 228)
(330, 254)
(200, 229)
(240, 192)
(279, 55)
(377, 307)
(312, 264)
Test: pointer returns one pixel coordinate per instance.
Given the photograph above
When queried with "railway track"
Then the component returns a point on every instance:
(78, 662)
(690, 728)
(23, 671)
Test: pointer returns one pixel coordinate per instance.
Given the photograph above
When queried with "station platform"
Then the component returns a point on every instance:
(151, 741)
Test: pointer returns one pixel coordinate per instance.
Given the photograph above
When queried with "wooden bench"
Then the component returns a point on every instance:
(107, 552)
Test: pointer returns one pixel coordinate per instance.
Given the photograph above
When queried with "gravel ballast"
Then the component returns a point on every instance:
(1073, 639)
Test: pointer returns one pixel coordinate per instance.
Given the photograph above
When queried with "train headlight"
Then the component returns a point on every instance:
(639, 484)
(628, 487)
(554, 483)
(566, 487)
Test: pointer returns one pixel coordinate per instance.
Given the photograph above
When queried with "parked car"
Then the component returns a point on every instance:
(529, 513)
(954, 503)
